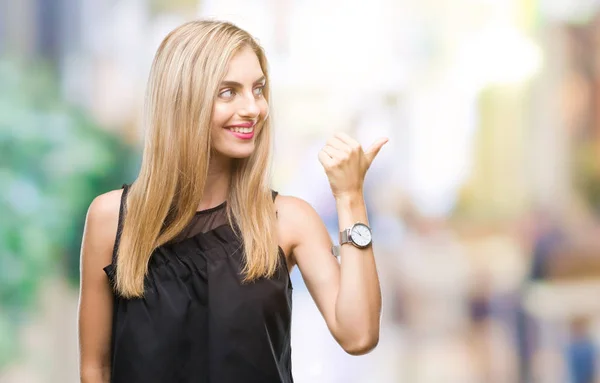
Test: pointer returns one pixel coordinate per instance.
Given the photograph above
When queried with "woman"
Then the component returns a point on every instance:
(198, 249)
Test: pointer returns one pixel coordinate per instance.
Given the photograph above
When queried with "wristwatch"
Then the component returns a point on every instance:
(358, 235)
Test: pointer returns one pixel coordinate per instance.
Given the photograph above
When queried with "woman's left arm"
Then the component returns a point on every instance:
(347, 294)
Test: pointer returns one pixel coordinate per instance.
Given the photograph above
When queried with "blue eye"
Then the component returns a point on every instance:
(259, 91)
(226, 93)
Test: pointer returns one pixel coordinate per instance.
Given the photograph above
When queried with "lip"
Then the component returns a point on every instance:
(242, 125)
(243, 136)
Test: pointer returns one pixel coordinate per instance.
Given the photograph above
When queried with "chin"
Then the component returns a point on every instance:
(237, 153)
(240, 155)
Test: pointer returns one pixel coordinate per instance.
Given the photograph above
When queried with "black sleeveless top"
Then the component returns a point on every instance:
(197, 322)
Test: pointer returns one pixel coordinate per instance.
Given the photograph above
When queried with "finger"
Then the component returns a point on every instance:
(345, 138)
(372, 152)
(352, 144)
(325, 159)
(334, 153)
(336, 143)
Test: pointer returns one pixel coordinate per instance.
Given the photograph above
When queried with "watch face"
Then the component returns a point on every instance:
(361, 235)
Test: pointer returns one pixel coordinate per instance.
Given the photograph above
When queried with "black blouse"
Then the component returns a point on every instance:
(197, 322)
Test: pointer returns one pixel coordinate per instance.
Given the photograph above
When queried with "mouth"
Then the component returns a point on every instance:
(242, 131)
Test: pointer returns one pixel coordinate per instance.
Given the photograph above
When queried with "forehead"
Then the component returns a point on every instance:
(244, 66)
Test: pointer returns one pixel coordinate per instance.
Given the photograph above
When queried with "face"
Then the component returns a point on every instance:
(240, 107)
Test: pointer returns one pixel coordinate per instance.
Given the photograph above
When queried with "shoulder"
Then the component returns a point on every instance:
(294, 209)
(104, 209)
(101, 224)
(294, 215)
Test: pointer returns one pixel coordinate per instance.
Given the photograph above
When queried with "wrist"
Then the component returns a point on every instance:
(351, 208)
(351, 196)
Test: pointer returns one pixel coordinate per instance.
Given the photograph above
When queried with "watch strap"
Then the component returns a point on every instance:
(335, 250)
(345, 236)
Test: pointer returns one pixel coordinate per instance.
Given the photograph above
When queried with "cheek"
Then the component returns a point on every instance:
(221, 114)
(264, 110)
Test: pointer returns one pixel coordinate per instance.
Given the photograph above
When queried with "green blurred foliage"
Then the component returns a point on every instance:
(53, 161)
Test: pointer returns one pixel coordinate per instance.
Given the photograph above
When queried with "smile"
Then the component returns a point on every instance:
(241, 133)
(238, 129)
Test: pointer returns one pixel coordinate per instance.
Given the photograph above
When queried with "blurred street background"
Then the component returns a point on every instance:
(485, 204)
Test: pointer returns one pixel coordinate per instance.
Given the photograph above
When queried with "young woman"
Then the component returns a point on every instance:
(185, 272)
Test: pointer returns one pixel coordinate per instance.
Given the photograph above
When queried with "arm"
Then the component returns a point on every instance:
(95, 299)
(347, 295)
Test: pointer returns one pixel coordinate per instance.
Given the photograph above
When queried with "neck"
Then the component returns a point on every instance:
(216, 188)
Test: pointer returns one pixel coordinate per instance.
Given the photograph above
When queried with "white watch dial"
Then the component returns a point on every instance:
(361, 235)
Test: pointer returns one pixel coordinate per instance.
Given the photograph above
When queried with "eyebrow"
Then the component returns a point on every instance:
(235, 84)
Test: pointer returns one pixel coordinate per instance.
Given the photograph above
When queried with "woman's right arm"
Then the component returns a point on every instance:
(95, 296)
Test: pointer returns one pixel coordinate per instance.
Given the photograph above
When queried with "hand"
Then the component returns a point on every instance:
(346, 163)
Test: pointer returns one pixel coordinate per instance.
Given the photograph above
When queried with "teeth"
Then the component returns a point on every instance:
(241, 130)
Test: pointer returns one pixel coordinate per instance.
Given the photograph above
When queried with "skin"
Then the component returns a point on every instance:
(347, 294)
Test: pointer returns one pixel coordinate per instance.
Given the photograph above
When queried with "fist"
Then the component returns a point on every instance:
(346, 163)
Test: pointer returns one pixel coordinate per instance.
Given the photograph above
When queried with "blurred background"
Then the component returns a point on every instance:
(485, 203)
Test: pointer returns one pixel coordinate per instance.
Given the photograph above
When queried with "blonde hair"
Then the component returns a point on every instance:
(184, 80)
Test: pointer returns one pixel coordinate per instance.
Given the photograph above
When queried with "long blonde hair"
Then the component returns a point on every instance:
(184, 80)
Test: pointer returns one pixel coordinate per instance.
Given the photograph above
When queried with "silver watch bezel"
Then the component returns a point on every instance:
(346, 236)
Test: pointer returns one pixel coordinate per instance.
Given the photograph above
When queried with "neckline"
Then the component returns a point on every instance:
(210, 210)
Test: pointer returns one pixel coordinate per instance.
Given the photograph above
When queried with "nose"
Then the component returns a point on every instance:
(249, 107)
